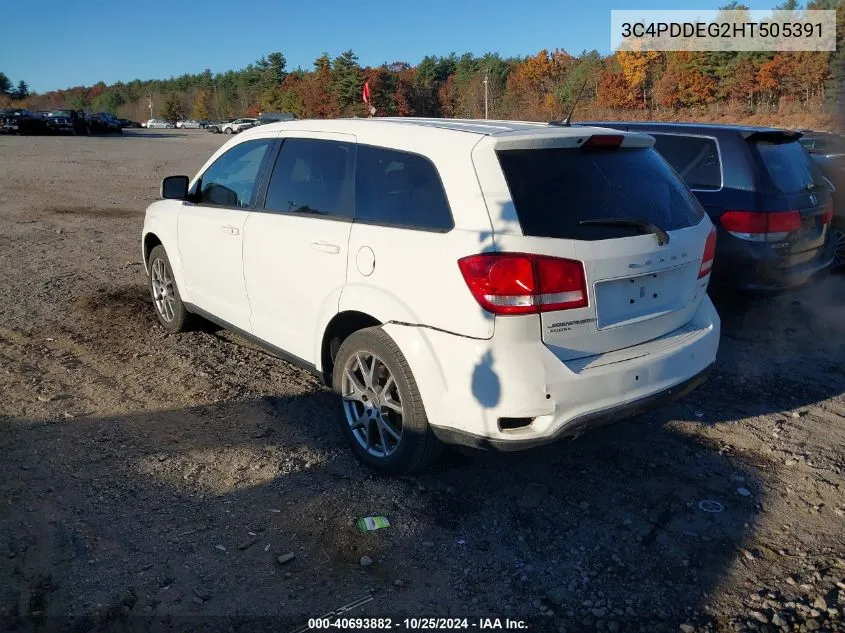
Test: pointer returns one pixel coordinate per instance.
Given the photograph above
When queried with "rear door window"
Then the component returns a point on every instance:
(313, 176)
(790, 168)
(399, 189)
(695, 158)
(554, 190)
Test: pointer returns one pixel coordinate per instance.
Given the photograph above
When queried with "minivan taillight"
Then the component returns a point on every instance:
(761, 226)
(709, 254)
(520, 283)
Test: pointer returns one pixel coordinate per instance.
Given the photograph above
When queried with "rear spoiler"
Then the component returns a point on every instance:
(772, 136)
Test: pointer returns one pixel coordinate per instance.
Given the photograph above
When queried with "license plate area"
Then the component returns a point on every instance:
(628, 300)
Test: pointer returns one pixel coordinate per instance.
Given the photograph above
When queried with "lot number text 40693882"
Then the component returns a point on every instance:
(414, 624)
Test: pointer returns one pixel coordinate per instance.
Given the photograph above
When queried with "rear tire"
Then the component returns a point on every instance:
(839, 257)
(167, 300)
(382, 414)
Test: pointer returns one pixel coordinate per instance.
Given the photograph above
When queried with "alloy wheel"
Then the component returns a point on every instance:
(372, 404)
(164, 291)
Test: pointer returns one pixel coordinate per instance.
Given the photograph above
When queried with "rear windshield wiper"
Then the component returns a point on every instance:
(643, 225)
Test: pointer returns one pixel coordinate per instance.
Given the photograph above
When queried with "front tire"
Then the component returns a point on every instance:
(382, 416)
(227, 130)
(167, 301)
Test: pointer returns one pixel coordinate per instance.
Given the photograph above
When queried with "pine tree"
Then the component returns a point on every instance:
(22, 91)
(172, 110)
(346, 82)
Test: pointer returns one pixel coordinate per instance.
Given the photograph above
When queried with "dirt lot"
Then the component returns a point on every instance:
(153, 481)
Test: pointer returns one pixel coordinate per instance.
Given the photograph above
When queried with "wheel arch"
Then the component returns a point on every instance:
(151, 240)
(158, 234)
(341, 326)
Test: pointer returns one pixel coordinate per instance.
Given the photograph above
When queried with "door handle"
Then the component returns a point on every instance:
(325, 247)
(231, 230)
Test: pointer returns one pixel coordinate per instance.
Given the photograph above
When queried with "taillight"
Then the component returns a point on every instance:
(609, 141)
(761, 226)
(827, 214)
(709, 254)
(519, 283)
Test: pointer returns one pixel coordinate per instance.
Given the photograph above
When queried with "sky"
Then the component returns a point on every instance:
(58, 44)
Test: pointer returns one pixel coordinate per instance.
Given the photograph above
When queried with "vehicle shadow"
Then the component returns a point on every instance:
(778, 353)
(129, 132)
(175, 519)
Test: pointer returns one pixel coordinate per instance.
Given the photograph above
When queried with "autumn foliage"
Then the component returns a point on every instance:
(539, 87)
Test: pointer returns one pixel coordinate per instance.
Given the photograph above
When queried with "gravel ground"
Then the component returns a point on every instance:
(162, 476)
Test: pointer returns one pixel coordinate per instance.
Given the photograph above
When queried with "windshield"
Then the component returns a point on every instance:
(554, 190)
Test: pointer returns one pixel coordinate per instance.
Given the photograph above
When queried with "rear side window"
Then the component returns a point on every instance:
(231, 180)
(696, 159)
(399, 189)
(312, 176)
(790, 168)
(554, 190)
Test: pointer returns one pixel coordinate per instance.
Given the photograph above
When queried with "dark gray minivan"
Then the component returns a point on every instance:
(769, 201)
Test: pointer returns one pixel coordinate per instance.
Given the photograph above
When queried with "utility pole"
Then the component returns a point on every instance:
(486, 73)
(151, 106)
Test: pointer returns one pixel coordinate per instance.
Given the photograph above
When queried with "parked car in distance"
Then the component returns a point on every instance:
(769, 201)
(832, 165)
(238, 125)
(159, 124)
(824, 143)
(558, 277)
(190, 124)
(103, 123)
(274, 117)
(216, 127)
(127, 123)
(21, 121)
(67, 121)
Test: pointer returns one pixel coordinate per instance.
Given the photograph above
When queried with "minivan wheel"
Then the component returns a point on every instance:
(383, 415)
(839, 255)
(170, 310)
(227, 130)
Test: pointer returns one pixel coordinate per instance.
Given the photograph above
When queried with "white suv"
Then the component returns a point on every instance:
(492, 284)
(238, 125)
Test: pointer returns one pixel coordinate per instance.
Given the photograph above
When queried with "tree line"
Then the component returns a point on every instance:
(539, 87)
(18, 93)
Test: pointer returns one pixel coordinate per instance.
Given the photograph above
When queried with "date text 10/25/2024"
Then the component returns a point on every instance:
(415, 624)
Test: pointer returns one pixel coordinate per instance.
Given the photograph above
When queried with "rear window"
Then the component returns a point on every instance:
(555, 189)
(399, 189)
(790, 168)
(695, 158)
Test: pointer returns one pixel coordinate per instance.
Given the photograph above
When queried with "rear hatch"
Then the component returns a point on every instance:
(795, 193)
(609, 202)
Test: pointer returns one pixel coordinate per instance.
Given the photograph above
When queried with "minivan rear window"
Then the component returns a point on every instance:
(555, 189)
(695, 158)
(790, 168)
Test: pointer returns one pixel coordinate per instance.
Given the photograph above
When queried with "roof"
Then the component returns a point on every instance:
(481, 127)
(634, 125)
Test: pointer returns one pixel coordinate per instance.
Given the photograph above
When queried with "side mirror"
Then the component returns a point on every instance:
(174, 188)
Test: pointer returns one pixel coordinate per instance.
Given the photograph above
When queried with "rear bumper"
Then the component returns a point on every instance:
(582, 424)
(470, 386)
(755, 267)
